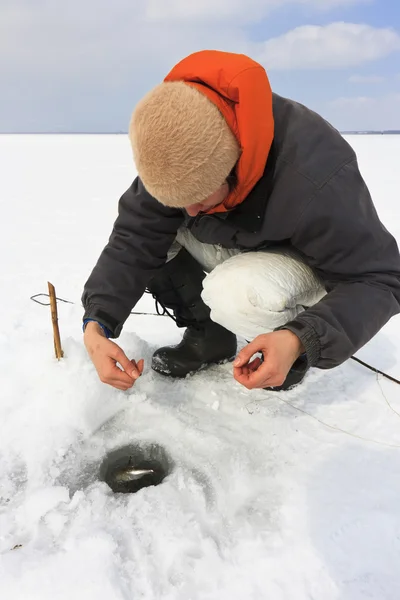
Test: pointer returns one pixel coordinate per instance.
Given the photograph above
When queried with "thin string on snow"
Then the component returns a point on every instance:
(354, 435)
(335, 428)
(133, 312)
(150, 314)
(386, 400)
(378, 382)
(36, 296)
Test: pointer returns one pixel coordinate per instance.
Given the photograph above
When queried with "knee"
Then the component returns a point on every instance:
(262, 290)
(242, 285)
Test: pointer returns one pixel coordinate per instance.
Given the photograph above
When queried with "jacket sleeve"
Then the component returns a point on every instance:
(342, 238)
(138, 246)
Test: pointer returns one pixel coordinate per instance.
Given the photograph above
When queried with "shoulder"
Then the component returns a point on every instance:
(307, 144)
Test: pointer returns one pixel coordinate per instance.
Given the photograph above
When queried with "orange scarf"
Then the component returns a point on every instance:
(239, 87)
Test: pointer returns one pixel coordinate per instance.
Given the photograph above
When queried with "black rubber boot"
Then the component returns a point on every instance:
(177, 286)
(294, 377)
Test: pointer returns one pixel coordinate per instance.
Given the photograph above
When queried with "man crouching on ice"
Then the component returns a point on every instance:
(249, 217)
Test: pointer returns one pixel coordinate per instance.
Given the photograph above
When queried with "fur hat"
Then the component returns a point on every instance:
(182, 145)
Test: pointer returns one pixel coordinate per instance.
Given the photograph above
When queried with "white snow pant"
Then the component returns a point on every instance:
(253, 292)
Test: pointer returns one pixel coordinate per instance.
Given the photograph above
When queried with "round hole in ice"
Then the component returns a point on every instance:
(131, 468)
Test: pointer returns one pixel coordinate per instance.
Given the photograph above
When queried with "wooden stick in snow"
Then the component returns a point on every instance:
(54, 318)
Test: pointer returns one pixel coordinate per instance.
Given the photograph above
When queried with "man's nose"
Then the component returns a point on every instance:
(193, 210)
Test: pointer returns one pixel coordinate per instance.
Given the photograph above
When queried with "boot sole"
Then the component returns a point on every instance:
(201, 368)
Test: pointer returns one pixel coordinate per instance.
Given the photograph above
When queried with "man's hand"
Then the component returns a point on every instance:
(105, 355)
(280, 350)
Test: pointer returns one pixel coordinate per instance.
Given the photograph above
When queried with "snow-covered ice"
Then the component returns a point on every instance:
(264, 501)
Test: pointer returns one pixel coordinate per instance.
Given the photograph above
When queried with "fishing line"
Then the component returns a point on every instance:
(134, 312)
(36, 296)
(386, 400)
(280, 398)
(354, 435)
(335, 428)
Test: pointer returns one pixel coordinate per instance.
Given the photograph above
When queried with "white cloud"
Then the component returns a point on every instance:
(353, 102)
(329, 4)
(247, 10)
(337, 45)
(73, 65)
(83, 66)
(365, 112)
(66, 42)
(366, 79)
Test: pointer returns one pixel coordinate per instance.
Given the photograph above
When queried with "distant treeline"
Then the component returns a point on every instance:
(384, 132)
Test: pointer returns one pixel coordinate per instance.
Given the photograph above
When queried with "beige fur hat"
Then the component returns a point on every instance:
(182, 145)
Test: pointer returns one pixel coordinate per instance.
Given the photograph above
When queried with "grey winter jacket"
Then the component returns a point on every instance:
(311, 197)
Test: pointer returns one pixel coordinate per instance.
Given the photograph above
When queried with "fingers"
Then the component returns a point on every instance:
(110, 373)
(247, 352)
(112, 365)
(137, 369)
(249, 368)
(264, 375)
(129, 366)
(254, 364)
(278, 357)
(113, 375)
(131, 369)
(140, 365)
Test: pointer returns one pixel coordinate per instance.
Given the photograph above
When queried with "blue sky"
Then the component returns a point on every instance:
(83, 66)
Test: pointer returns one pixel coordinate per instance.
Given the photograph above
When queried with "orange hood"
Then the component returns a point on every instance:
(239, 87)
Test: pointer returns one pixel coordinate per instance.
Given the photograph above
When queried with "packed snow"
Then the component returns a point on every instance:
(271, 496)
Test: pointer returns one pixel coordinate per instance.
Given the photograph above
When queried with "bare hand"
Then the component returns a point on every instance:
(105, 355)
(280, 350)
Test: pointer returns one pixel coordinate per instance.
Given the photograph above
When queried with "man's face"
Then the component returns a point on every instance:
(216, 198)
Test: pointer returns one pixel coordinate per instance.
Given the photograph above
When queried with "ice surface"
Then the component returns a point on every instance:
(264, 501)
